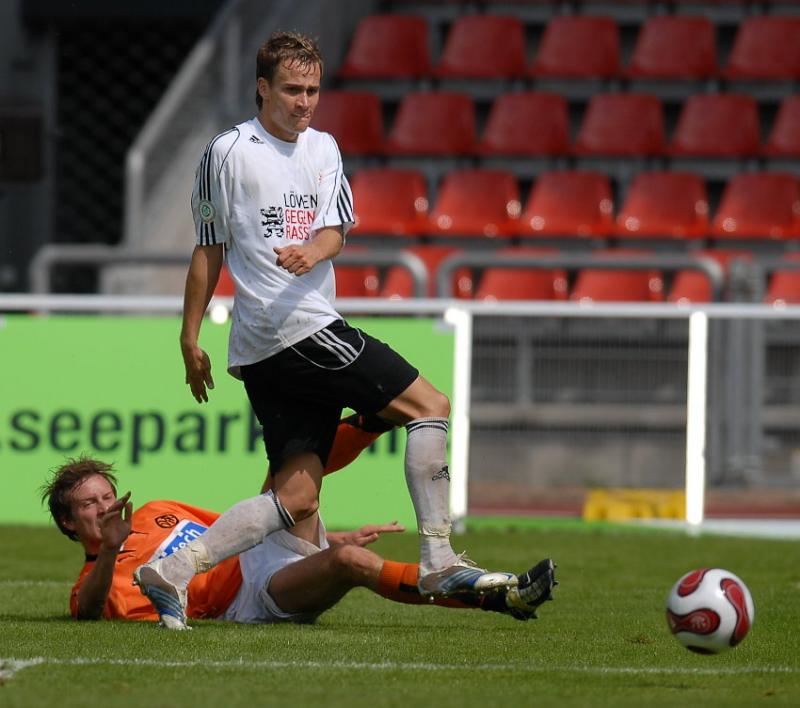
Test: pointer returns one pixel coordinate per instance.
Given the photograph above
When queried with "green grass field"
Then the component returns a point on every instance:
(603, 642)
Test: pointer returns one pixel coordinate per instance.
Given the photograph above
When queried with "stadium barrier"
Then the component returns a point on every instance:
(547, 397)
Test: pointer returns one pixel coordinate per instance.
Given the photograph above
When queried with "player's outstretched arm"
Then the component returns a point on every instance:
(201, 280)
(115, 526)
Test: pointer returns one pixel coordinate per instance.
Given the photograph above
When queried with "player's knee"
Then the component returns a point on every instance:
(352, 561)
(437, 405)
(304, 507)
(300, 503)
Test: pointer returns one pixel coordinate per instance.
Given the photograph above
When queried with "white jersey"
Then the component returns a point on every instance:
(254, 192)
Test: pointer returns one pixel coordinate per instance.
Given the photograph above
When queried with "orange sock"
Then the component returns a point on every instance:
(398, 582)
(347, 445)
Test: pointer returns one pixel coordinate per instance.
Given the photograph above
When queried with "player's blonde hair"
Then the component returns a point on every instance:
(289, 47)
(57, 493)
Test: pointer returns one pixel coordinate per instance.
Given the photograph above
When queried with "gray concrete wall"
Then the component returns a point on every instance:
(26, 83)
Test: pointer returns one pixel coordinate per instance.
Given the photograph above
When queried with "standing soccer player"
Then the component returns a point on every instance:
(271, 198)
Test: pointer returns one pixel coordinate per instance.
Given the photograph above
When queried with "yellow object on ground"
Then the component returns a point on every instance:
(625, 504)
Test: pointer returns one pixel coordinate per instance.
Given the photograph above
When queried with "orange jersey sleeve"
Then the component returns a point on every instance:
(158, 529)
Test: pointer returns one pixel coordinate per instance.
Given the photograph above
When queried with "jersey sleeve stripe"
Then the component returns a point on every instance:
(339, 174)
(345, 211)
(205, 185)
(208, 234)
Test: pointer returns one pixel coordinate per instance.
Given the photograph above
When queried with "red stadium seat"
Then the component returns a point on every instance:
(568, 203)
(612, 285)
(225, 285)
(674, 47)
(522, 283)
(720, 125)
(621, 124)
(784, 288)
(483, 47)
(784, 285)
(666, 205)
(759, 205)
(784, 138)
(429, 123)
(578, 46)
(356, 281)
(392, 46)
(390, 201)
(398, 283)
(476, 203)
(766, 47)
(690, 286)
(354, 118)
(527, 123)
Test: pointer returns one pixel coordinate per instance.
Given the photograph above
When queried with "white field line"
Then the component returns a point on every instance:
(11, 666)
(36, 583)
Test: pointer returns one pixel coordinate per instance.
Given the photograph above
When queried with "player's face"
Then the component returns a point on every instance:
(290, 100)
(89, 501)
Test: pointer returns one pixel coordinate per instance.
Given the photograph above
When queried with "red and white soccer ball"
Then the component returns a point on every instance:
(710, 610)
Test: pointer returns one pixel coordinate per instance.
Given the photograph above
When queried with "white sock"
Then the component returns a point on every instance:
(242, 526)
(428, 482)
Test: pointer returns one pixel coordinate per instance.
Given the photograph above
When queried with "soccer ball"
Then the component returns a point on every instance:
(710, 610)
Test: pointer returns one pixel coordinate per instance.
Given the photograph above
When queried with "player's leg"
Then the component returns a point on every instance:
(380, 381)
(355, 433)
(297, 438)
(398, 582)
(425, 412)
(318, 582)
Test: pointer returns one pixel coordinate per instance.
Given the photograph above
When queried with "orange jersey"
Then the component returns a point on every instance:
(158, 529)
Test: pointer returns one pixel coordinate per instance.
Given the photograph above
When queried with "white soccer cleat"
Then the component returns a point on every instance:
(464, 577)
(168, 600)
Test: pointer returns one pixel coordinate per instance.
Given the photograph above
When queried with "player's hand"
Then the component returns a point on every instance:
(198, 372)
(371, 533)
(298, 259)
(115, 523)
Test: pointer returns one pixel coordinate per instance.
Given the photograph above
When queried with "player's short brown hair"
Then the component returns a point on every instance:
(57, 493)
(289, 47)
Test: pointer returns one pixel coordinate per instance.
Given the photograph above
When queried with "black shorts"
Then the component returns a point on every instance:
(298, 394)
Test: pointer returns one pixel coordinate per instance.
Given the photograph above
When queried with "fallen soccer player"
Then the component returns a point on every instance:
(291, 576)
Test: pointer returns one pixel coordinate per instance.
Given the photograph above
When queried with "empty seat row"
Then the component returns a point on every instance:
(395, 46)
(537, 123)
(587, 284)
(575, 203)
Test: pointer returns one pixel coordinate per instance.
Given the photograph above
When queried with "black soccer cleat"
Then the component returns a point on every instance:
(533, 589)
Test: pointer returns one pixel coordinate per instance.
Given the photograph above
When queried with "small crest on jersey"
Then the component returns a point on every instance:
(206, 211)
(166, 521)
(256, 139)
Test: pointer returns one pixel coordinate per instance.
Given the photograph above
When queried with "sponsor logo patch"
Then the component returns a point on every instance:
(183, 533)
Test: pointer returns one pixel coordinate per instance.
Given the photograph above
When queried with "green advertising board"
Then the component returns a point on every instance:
(112, 387)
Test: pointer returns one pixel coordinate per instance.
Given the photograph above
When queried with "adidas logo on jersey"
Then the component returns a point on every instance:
(256, 139)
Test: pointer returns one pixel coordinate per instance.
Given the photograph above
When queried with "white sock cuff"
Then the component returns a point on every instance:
(427, 423)
(285, 516)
